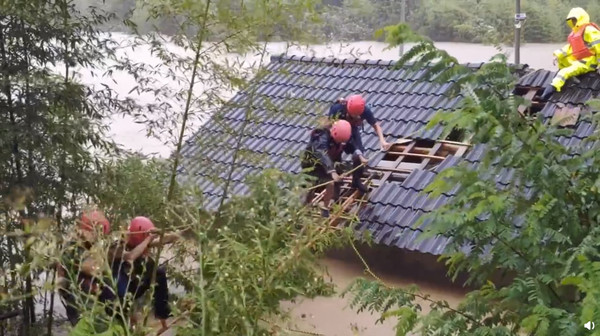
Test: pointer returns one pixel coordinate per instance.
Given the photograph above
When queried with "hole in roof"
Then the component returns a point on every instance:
(397, 177)
(521, 90)
(535, 107)
(424, 143)
(456, 135)
(529, 93)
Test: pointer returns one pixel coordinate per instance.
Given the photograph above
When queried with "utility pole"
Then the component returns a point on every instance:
(519, 19)
(403, 20)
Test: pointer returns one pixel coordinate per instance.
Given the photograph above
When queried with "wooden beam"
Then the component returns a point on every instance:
(343, 207)
(461, 151)
(454, 147)
(424, 150)
(528, 96)
(402, 141)
(431, 155)
(396, 164)
(427, 156)
(454, 143)
(356, 200)
(349, 201)
(318, 197)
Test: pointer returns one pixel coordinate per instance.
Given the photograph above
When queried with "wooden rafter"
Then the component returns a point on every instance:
(348, 200)
(430, 156)
(529, 93)
(395, 166)
(528, 96)
(404, 157)
(418, 155)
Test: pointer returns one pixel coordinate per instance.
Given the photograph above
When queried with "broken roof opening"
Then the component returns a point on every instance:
(530, 94)
(456, 135)
(407, 155)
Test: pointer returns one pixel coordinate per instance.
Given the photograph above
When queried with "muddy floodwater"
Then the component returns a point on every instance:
(331, 316)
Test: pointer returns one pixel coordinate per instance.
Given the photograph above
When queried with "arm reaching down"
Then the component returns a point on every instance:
(384, 144)
(370, 118)
(119, 252)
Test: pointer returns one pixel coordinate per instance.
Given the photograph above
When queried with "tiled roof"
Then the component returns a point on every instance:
(573, 94)
(304, 88)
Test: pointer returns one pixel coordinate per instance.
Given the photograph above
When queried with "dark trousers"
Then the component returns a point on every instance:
(70, 304)
(72, 308)
(143, 270)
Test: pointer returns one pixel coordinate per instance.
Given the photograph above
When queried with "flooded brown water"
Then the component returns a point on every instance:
(331, 316)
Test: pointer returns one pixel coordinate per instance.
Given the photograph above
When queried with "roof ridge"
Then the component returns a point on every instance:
(283, 57)
(330, 60)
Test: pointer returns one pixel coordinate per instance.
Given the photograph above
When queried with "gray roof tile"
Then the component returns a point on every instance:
(298, 90)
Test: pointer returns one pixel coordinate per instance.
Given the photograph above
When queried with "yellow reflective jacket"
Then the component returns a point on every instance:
(591, 36)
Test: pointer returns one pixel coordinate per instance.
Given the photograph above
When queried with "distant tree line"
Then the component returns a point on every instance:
(479, 21)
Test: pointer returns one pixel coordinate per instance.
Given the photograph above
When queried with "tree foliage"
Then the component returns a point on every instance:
(134, 186)
(236, 269)
(58, 159)
(51, 127)
(538, 228)
(261, 250)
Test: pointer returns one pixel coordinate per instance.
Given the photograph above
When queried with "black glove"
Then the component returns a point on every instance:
(548, 91)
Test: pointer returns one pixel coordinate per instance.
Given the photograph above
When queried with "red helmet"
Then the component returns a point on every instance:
(138, 230)
(355, 105)
(340, 131)
(93, 218)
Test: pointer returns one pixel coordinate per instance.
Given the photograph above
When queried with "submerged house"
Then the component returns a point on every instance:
(300, 90)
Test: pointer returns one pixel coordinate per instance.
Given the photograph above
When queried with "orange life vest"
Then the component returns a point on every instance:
(578, 45)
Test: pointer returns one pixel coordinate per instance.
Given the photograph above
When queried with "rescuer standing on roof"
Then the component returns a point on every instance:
(580, 55)
(324, 150)
(354, 110)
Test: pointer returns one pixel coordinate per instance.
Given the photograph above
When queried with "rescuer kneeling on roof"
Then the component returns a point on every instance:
(579, 56)
(324, 150)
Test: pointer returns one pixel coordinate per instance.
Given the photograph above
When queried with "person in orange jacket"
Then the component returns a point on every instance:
(580, 55)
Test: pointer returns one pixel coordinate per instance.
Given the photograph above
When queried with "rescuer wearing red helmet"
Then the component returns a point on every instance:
(78, 267)
(133, 268)
(324, 149)
(354, 110)
(92, 220)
